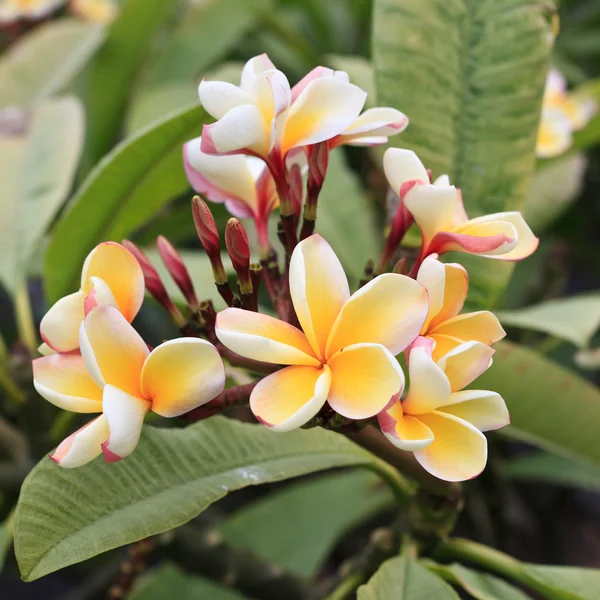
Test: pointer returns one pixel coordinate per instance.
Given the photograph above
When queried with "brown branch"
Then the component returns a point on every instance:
(234, 396)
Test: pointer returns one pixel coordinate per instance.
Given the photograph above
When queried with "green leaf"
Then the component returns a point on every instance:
(131, 184)
(550, 406)
(565, 583)
(470, 75)
(106, 83)
(67, 516)
(575, 319)
(168, 582)
(360, 71)
(323, 510)
(43, 61)
(403, 578)
(544, 467)
(345, 218)
(6, 539)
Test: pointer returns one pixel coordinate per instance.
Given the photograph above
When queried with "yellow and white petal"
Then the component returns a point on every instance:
(465, 363)
(82, 446)
(364, 378)
(265, 338)
(456, 286)
(481, 326)
(401, 166)
(458, 451)
(219, 97)
(442, 181)
(403, 431)
(429, 386)
(555, 133)
(289, 398)
(181, 375)
(390, 310)
(325, 107)
(119, 269)
(319, 289)
(432, 276)
(376, 122)
(483, 409)
(113, 351)
(63, 380)
(100, 294)
(60, 326)
(125, 416)
(253, 69)
(443, 344)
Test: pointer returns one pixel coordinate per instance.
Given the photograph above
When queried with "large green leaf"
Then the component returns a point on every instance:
(44, 60)
(106, 83)
(322, 510)
(575, 319)
(403, 578)
(66, 516)
(565, 583)
(470, 76)
(550, 406)
(132, 183)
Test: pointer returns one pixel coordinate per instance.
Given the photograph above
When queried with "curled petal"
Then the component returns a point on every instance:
(100, 294)
(253, 69)
(374, 123)
(364, 378)
(60, 326)
(465, 363)
(403, 431)
(456, 286)
(82, 446)
(482, 326)
(443, 344)
(219, 97)
(180, 375)
(490, 245)
(401, 166)
(485, 410)
(432, 276)
(289, 398)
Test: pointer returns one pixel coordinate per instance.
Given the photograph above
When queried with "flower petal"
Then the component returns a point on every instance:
(555, 133)
(289, 398)
(432, 276)
(364, 378)
(401, 166)
(465, 363)
(458, 451)
(484, 241)
(443, 344)
(403, 431)
(374, 122)
(119, 269)
(390, 310)
(100, 294)
(482, 326)
(63, 380)
(182, 374)
(485, 410)
(219, 97)
(253, 68)
(125, 416)
(319, 289)
(113, 351)
(60, 325)
(82, 446)
(456, 286)
(262, 337)
(316, 73)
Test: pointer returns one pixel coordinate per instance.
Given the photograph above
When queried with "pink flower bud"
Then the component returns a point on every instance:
(176, 267)
(206, 227)
(238, 248)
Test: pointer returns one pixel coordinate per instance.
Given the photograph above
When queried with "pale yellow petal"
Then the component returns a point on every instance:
(82, 446)
(60, 325)
(456, 286)
(482, 326)
(432, 276)
(483, 409)
(403, 431)
(465, 363)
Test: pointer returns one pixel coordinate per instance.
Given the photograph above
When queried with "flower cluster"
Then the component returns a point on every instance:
(332, 357)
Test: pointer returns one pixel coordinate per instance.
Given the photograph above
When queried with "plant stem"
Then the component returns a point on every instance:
(346, 587)
(24, 316)
(403, 489)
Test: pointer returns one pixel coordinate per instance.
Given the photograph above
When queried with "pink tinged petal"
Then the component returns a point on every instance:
(289, 398)
(279, 89)
(403, 431)
(82, 446)
(456, 286)
(358, 141)
(219, 97)
(432, 276)
(113, 351)
(100, 294)
(488, 246)
(316, 73)
(319, 289)
(182, 374)
(326, 107)
(63, 380)
(482, 326)
(465, 363)
(242, 129)
(458, 451)
(390, 310)
(401, 166)
(60, 326)
(125, 416)
(364, 378)
(265, 338)
(485, 410)
(378, 121)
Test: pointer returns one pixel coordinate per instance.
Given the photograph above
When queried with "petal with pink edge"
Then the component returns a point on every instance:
(465, 363)
(253, 68)
(402, 166)
(403, 431)
(443, 344)
(182, 374)
(100, 294)
(483, 409)
(82, 446)
(60, 325)
(289, 398)
(375, 122)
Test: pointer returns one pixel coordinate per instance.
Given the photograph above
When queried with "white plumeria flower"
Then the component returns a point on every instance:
(15, 10)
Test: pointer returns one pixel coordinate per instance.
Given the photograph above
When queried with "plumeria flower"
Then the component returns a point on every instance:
(439, 212)
(95, 11)
(439, 421)
(447, 285)
(562, 114)
(110, 275)
(345, 352)
(243, 183)
(117, 375)
(15, 10)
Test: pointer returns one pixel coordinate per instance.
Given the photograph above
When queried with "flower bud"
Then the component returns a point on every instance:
(176, 267)
(317, 165)
(238, 248)
(296, 188)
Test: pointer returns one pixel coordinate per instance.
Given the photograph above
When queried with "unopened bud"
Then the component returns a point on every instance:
(401, 267)
(209, 237)
(296, 188)
(238, 248)
(317, 165)
(176, 267)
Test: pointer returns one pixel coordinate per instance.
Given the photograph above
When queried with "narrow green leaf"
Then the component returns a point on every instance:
(132, 183)
(403, 578)
(6, 539)
(322, 510)
(470, 75)
(550, 406)
(67, 516)
(575, 319)
(566, 583)
(43, 61)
